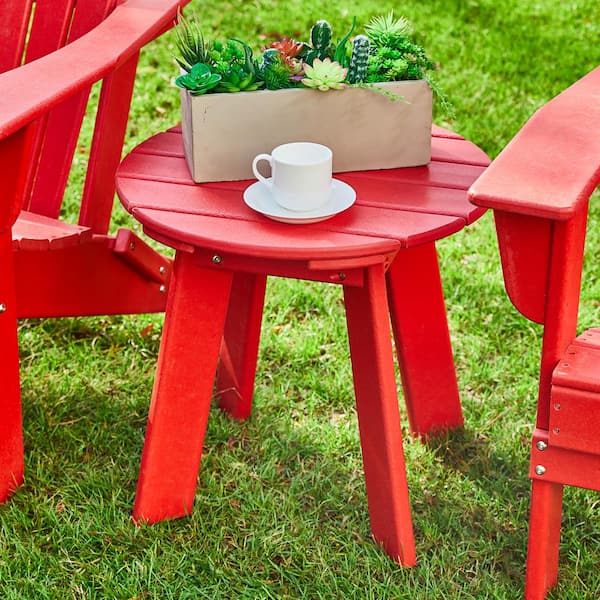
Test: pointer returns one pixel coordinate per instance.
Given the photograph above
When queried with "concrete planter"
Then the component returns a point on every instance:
(222, 133)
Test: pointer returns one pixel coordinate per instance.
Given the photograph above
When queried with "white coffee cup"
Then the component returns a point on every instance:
(300, 175)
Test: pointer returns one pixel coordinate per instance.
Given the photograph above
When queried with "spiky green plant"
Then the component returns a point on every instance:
(190, 43)
(386, 30)
(275, 71)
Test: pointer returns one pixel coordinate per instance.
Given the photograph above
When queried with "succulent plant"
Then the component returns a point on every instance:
(190, 44)
(287, 47)
(387, 31)
(199, 80)
(324, 75)
(357, 70)
(320, 38)
(238, 80)
(276, 72)
(386, 53)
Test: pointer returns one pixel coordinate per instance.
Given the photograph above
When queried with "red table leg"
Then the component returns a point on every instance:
(187, 362)
(237, 368)
(378, 415)
(11, 432)
(422, 341)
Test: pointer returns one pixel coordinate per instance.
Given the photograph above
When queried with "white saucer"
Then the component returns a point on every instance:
(258, 197)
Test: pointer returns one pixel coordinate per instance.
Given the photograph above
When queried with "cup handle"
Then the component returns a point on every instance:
(257, 174)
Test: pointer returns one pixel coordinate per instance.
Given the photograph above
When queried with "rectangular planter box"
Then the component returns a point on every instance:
(365, 129)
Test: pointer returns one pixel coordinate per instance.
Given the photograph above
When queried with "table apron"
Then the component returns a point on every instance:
(348, 272)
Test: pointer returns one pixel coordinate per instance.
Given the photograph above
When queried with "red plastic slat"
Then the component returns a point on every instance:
(552, 165)
(264, 238)
(575, 419)
(13, 32)
(579, 368)
(50, 27)
(386, 192)
(36, 232)
(407, 227)
(88, 13)
(457, 151)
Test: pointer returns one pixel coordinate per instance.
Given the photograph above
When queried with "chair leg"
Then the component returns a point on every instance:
(544, 538)
(11, 427)
(378, 416)
(187, 362)
(239, 352)
(423, 341)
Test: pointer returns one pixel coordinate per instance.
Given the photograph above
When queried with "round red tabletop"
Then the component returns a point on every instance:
(394, 208)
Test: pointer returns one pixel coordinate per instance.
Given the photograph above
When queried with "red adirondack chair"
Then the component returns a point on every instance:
(539, 188)
(50, 55)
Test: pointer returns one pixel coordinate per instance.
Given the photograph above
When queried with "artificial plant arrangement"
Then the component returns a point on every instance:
(385, 52)
(290, 96)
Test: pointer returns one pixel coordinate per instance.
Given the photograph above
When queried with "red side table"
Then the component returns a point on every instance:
(381, 250)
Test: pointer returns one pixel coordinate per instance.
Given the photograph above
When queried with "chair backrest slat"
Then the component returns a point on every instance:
(13, 32)
(88, 13)
(49, 25)
(57, 143)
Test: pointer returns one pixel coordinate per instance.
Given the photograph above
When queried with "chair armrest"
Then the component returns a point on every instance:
(552, 166)
(32, 89)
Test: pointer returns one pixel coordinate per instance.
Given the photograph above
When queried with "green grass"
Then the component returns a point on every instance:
(280, 509)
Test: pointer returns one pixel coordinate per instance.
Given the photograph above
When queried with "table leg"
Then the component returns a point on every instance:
(378, 415)
(422, 340)
(237, 368)
(187, 362)
(11, 427)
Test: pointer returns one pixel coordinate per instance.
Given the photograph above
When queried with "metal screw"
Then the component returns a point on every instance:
(2, 307)
(342, 276)
(556, 430)
(162, 270)
(162, 289)
(217, 260)
(540, 469)
(557, 407)
(132, 245)
(541, 446)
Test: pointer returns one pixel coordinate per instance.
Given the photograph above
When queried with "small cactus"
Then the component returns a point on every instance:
(357, 70)
(320, 37)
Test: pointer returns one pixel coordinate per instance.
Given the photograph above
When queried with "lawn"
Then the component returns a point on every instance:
(280, 509)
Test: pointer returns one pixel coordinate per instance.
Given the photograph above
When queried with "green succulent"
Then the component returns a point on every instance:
(386, 53)
(325, 75)
(222, 55)
(190, 44)
(275, 72)
(385, 30)
(238, 80)
(199, 80)
(408, 62)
